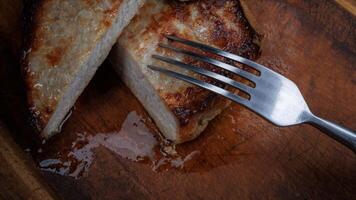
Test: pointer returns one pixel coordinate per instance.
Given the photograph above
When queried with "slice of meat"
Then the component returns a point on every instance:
(65, 44)
(180, 110)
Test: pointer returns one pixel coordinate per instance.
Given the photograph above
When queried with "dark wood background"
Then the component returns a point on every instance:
(240, 155)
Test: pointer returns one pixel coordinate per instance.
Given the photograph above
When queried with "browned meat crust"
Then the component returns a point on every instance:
(220, 23)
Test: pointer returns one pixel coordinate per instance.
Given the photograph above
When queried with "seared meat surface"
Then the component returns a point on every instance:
(65, 44)
(180, 110)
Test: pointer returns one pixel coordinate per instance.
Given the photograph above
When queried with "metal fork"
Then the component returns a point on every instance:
(274, 97)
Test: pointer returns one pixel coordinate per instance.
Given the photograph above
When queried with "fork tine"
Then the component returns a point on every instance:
(205, 72)
(221, 53)
(202, 84)
(212, 61)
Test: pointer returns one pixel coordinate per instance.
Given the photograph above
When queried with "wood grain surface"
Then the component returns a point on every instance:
(349, 5)
(240, 155)
(18, 175)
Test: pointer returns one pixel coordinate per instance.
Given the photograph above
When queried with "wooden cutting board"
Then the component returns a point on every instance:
(240, 155)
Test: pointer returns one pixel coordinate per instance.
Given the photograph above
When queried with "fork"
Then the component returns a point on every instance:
(273, 97)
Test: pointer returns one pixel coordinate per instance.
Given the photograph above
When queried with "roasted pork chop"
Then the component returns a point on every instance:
(66, 42)
(180, 110)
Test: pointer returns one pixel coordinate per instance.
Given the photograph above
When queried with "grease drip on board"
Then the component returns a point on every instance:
(135, 142)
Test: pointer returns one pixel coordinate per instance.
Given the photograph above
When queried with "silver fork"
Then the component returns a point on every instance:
(274, 97)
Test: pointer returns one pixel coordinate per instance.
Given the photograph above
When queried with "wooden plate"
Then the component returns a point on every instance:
(239, 156)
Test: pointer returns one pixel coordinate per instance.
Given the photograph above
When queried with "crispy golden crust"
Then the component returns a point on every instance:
(219, 23)
(55, 47)
(191, 101)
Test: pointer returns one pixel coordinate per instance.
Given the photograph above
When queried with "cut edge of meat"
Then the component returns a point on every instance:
(86, 72)
(142, 89)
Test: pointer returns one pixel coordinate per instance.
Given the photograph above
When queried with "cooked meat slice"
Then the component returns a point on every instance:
(65, 44)
(180, 110)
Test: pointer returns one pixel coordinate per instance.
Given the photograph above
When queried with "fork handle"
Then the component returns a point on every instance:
(343, 135)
